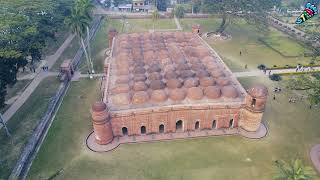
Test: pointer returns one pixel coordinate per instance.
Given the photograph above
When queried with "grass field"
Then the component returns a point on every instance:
(293, 131)
(245, 39)
(22, 124)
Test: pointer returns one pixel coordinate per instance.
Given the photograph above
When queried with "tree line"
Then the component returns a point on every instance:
(25, 28)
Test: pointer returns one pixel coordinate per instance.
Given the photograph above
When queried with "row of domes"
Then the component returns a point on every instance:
(159, 96)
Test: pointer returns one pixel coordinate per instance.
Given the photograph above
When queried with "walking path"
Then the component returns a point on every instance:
(291, 26)
(277, 71)
(315, 157)
(36, 80)
(179, 28)
(92, 145)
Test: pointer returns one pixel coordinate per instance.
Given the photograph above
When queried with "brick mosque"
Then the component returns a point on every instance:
(170, 83)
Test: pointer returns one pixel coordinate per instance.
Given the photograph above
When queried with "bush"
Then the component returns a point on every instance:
(274, 65)
(262, 66)
(275, 77)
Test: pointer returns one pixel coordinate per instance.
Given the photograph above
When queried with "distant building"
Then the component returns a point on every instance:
(140, 5)
(125, 7)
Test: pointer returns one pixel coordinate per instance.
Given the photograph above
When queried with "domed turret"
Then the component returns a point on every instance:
(101, 123)
(257, 97)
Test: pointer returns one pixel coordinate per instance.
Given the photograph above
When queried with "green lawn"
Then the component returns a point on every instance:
(245, 39)
(23, 123)
(293, 131)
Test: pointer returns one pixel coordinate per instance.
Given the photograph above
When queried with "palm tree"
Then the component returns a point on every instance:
(78, 22)
(155, 17)
(294, 170)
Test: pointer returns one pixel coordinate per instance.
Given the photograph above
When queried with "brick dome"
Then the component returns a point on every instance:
(139, 86)
(140, 77)
(173, 83)
(229, 92)
(223, 81)
(98, 106)
(186, 74)
(182, 67)
(217, 73)
(157, 84)
(206, 81)
(122, 79)
(170, 75)
(121, 88)
(177, 94)
(191, 82)
(258, 91)
(195, 93)
(159, 96)
(154, 76)
(121, 99)
(202, 73)
(154, 68)
(139, 70)
(212, 92)
(140, 97)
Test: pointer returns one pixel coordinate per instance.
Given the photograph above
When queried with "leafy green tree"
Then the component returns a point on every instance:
(253, 11)
(179, 11)
(314, 92)
(78, 22)
(294, 170)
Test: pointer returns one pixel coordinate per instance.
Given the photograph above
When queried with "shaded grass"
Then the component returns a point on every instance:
(22, 124)
(16, 88)
(293, 131)
(245, 39)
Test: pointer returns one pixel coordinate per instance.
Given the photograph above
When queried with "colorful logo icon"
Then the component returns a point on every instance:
(308, 13)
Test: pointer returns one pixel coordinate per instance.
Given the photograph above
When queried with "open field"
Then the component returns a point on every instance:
(22, 124)
(293, 131)
(245, 39)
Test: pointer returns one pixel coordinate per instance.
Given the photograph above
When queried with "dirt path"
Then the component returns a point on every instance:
(38, 77)
(315, 157)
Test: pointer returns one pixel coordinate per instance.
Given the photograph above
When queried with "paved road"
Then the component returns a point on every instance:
(36, 80)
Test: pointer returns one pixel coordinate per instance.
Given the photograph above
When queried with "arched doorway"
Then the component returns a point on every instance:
(214, 124)
(143, 130)
(197, 125)
(253, 103)
(231, 123)
(161, 128)
(124, 131)
(179, 125)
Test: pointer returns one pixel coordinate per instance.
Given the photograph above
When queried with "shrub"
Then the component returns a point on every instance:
(179, 11)
(275, 77)
(262, 66)
(274, 65)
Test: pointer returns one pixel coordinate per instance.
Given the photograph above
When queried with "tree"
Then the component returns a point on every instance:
(300, 82)
(179, 11)
(253, 11)
(314, 92)
(78, 22)
(155, 17)
(294, 170)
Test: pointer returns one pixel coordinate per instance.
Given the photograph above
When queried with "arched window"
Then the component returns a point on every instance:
(253, 103)
(179, 125)
(143, 130)
(214, 124)
(197, 125)
(124, 131)
(231, 123)
(161, 128)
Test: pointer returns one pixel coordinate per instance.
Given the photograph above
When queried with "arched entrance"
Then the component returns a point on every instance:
(179, 126)
(161, 128)
(253, 103)
(197, 125)
(125, 131)
(214, 124)
(231, 123)
(143, 130)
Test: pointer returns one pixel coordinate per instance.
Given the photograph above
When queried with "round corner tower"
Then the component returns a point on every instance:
(101, 123)
(255, 102)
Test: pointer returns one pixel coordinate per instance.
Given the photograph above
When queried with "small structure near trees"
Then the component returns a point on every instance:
(66, 70)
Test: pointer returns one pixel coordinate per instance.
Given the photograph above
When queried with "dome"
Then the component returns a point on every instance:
(177, 94)
(173, 83)
(170, 75)
(258, 91)
(202, 73)
(154, 68)
(122, 79)
(121, 99)
(139, 77)
(223, 81)
(140, 97)
(139, 70)
(186, 74)
(139, 86)
(98, 106)
(120, 88)
(157, 84)
(195, 93)
(212, 92)
(206, 81)
(158, 96)
(229, 92)
(191, 82)
(154, 76)
(217, 73)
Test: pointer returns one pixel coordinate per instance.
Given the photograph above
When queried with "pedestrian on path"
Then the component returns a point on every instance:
(274, 97)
